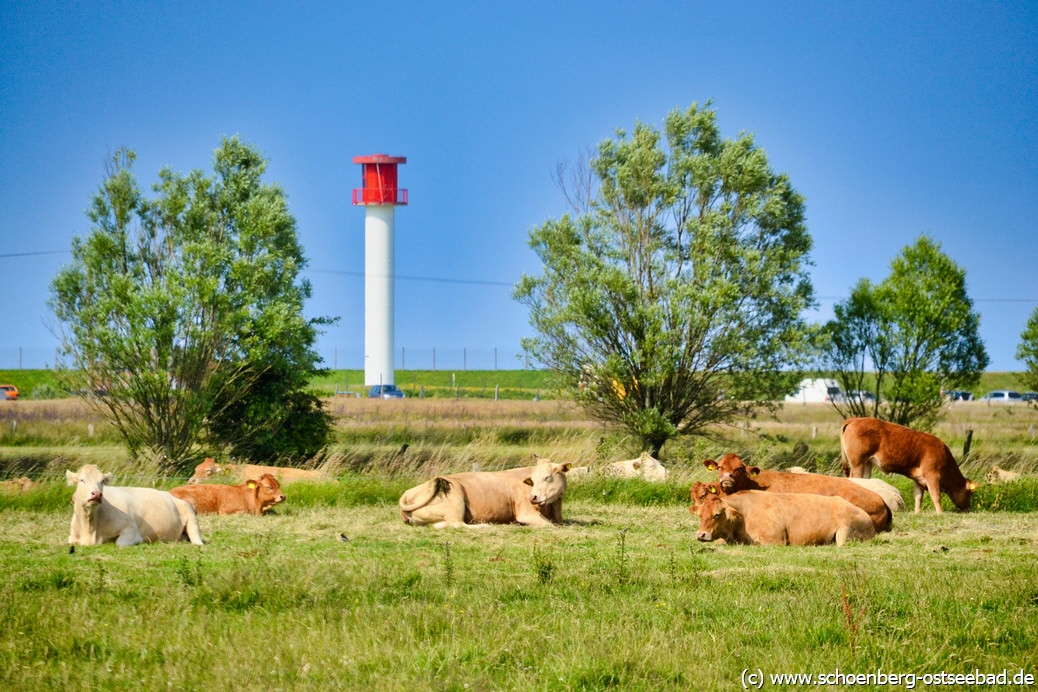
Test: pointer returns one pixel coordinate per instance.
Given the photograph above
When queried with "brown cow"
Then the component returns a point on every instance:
(755, 517)
(734, 476)
(531, 496)
(209, 470)
(253, 496)
(897, 449)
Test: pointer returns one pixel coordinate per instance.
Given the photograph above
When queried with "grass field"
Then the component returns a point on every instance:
(334, 592)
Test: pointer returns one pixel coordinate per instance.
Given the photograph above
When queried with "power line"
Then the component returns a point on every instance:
(32, 254)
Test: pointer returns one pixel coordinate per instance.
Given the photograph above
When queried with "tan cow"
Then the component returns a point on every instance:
(209, 470)
(104, 513)
(733, 476)
(17, 485)
(254, 496)
(891, 495)
(897, 449)
(755, 517)
(999, 475)
(531, 496)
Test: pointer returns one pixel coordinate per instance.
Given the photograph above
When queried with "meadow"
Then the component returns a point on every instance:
(333, 591)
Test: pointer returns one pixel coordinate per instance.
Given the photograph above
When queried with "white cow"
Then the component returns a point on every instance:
(645, 466)
(105, 513)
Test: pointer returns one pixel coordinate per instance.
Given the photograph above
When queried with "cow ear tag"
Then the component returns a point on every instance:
(252, 484)
(712, 488)
(528, 481)
(754, 471)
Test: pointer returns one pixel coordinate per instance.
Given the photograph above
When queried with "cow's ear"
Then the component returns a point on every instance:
(710, 464)
(970, 485)
(753, 471)
(564, 467)
(713, 488)
(528, 480)
(109, 478)
(71, 477)
(251, 484)
(636, 465)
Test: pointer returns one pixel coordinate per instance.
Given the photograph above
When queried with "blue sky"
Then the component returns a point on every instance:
(893, 119)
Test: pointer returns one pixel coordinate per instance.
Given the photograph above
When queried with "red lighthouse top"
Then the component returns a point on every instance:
(378, 179)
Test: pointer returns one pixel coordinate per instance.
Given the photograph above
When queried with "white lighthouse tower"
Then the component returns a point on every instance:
(381, 196)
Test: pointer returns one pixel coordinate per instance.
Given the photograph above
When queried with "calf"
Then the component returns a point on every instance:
(756, 517)
(734, 476)
(252, 497)
(897, 449)
(209, 470)
(530, 496)
(17, 485)
(104, 513)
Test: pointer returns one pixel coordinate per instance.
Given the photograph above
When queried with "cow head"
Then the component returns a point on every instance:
(89, 482)
(716, 519)
(962, 496)
(204, 471)
(267, 490)
(700, 491)
(651, 468)
(732, 474)
(548, 482)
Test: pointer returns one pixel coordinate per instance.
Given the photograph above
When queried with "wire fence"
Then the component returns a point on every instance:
(336, 358)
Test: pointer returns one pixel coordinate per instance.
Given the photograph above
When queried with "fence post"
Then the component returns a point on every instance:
(966, 445)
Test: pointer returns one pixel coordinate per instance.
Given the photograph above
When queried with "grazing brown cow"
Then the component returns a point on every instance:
(734, 476)
(531, 496)
(253, 496)
(767, 518)
(209, 470)
(897, 449)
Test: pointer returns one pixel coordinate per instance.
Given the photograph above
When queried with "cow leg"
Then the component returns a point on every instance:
(453, 509)
(129, 536)
(918, 489)
(934, 486)
(532, 519)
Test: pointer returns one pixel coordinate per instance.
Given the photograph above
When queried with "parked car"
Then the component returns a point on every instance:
(386, 391)
(1029, 396)
(959, 395)
(1003, 396)
(861, 395)
(8, 391)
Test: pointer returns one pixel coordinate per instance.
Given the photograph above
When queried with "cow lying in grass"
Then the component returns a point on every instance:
(890, 494)
(755, 517)
(254, 496)
(209, 470)
(897, 449)
(104, 513)
(531, 496)
(734, 476)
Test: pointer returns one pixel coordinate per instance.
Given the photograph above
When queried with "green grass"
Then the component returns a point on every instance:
(620, 597)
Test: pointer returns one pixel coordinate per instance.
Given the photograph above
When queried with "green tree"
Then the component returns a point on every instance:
(671, 299)
(176, 307)
(906, 339)
(1027, 351)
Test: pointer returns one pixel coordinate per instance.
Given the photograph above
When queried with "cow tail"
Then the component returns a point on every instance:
(845, 461)
(437, 486)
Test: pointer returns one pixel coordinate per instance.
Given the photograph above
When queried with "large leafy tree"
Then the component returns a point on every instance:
(176, 307)
(671, 298)
(906, 339)
(1027, 351)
